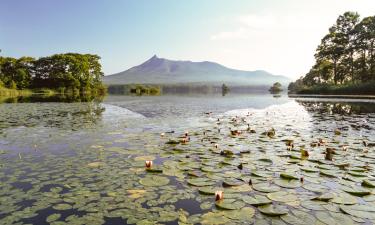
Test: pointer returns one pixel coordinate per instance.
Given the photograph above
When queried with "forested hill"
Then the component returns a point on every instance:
(164, 71)
(345, 59)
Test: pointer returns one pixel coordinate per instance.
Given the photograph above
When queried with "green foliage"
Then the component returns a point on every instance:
(345, 57)
(276, 87)
(367, 88)
(70, 72)
(136, 89)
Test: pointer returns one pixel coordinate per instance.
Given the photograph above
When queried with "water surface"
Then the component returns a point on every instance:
(74, 162)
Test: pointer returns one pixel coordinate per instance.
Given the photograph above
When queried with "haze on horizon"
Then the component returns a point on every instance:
(277, 36)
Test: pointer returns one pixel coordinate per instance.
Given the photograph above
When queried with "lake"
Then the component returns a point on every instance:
(69, 161)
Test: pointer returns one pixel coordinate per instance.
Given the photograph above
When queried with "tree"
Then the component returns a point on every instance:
(276, 87)
(77, 72)
(346, 55)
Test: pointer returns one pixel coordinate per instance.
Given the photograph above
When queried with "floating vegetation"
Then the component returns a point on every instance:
(301, 167)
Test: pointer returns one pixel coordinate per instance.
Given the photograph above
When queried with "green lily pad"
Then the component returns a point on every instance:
(356, 190)
(214, 218)
(95, 164)
(330, 218)
(325, 197)
(260, 174)
(244, 215)
(361, 211)
(309, 169)
(154, 181)
(368, 183)
(229, 204)
(282, 196)
(272, 210)
(257, 200)
(315, 187)
(232, 182)
(288, 176)
(265, 187)
(298, 217)
(288, 183)
(345, 199)
(53, 217)
(62, 206)
(209, 190)
(155, 169)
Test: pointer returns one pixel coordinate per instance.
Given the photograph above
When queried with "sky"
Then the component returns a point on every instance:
(279, 36)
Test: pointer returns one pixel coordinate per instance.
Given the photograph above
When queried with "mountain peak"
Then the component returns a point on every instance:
(161, 71)
(154, 57)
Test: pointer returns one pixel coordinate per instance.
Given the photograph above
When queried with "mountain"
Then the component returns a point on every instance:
(163, 71)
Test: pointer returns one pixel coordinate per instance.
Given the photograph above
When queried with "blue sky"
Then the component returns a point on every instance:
(279, 36)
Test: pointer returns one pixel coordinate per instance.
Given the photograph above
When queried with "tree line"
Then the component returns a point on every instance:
(62, 72)
(345, 56)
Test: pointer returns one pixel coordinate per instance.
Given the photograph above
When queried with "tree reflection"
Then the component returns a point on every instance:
(342, 108)
(67, 116)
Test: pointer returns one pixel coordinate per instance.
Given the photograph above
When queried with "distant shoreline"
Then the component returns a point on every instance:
(331, 96)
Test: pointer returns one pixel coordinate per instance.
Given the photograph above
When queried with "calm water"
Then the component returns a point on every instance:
(83, 162)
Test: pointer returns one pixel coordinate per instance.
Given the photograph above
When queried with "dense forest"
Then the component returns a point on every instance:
(65, 73)
(345, 59)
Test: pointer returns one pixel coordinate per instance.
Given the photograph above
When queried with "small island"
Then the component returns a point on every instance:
(276, 88)
(345, 60)
(69, 73)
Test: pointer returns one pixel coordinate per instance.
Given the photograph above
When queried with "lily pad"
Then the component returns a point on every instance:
(345, 199)
(368, 183)
(282, 196)
(272, 210)
(356, 190)
(214, 218)
(53, 217)
(265, 187)
(229, 204)
(257, 200)
(209, 190)
(62, 206)
(288, 183)
(244, 215)
(232, 182)
(154, 181)
(298, 217)
(361, 211)
(288, 176)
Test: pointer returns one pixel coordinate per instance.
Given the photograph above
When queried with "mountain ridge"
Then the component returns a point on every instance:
(164, 71)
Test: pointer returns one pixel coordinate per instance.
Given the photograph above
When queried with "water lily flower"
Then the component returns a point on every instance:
(219, 195)
(148, 164)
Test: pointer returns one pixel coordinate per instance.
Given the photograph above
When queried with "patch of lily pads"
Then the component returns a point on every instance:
(271, 173)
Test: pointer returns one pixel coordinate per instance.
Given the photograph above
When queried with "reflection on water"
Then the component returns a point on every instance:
(51, 98)
(84, 161)
(343, 108)
(73, 116)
